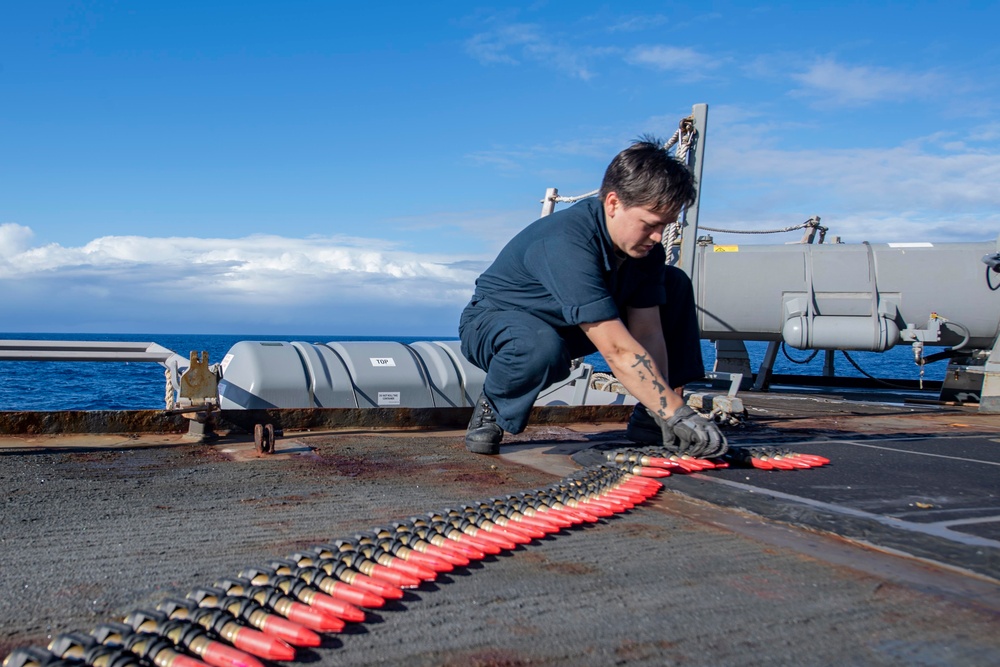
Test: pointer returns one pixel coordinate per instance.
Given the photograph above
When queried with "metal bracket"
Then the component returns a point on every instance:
(735, 381)
(580, 375)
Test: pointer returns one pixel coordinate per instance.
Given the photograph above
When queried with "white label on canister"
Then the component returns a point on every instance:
(225, 363)
(388, 398)
(383, 362)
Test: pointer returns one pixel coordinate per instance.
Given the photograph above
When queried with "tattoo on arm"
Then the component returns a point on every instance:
(644, 362)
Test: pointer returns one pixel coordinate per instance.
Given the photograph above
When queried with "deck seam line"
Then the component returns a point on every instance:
(908, 451)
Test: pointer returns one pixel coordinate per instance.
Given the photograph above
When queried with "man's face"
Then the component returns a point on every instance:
(635, 230)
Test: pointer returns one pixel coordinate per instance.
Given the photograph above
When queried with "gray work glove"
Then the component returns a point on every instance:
(687, 432)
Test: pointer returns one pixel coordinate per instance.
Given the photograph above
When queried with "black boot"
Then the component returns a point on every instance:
(484, 434)
(642, 428)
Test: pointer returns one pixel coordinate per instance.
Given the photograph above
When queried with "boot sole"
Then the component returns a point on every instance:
(482, 447)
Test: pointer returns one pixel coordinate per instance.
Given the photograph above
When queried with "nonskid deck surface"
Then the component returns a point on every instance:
(93, 528)
(917, 479)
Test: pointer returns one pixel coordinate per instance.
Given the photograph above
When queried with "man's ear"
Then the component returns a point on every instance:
(611, 202)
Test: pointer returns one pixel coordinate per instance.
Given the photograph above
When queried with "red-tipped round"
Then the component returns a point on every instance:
(181, 660)
(525, 529)
(394, 577)
(413, 569)
(383, 589)
(627, 501)
(797, 463)
(635, 492)
(563, 521)
(687, 465)
(606, 497)
(661, 462)
(261, 645)
(289, 632)
(761, 464)
(436, 564)
(485, 547)
(313, 618)
(651, 471)
(630, 490)
(593, 509)
(512, 535)
(780, 465)
(519, 534)
(545, 525)
(453, 546)
(495, 538)
(608, 503)
(337, 608)
(639, 485)
(588, 517)
(453, 557)
(354, 594)
(644, 486)
(561, 517)
(220, 655)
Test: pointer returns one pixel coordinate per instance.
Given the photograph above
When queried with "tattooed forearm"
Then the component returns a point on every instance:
(644, 362)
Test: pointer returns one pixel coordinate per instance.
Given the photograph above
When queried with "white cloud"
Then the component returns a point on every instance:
(671, 58)
(513, 44)
(131, 276)
(919, 190)
(831, 82)
(14, 239)
(638, 23)
(989, 132)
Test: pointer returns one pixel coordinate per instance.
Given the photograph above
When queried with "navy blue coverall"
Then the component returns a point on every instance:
(522, 324)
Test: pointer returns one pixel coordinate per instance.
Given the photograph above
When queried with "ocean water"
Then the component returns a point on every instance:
(46, 386)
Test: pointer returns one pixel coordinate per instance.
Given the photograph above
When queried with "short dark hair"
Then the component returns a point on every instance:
(645, 174)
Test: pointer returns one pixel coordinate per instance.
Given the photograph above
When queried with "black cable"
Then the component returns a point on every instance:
(965, 333)
(869, 375)
(796, 361)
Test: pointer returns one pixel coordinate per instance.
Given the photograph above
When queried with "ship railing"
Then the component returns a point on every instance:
(84, 350)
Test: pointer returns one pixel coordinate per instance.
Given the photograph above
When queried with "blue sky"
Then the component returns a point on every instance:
(349, 168)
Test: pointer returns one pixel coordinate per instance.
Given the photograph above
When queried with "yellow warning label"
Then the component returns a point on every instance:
(726, 248)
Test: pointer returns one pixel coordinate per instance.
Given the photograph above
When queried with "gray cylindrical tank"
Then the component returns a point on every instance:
(258, 375)
(385, 374)
(354, 374)
(329, 381)
(243, 368)
(825, 332)
(763, 292)
(452, 378)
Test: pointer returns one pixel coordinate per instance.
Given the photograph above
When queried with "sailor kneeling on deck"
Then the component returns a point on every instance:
(592, 278)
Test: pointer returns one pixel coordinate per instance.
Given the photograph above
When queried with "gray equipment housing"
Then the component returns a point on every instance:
(354, 374)
(848, 297)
